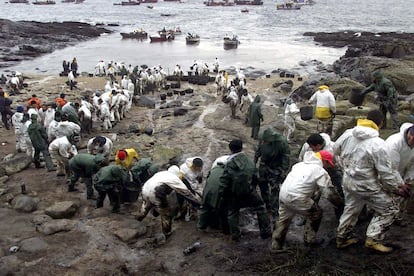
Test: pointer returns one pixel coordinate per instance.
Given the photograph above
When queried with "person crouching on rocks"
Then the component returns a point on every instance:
(110, 180)
(62, 149)
(85, 165)
(160, 193)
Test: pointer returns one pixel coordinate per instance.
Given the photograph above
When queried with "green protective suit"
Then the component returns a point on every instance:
(143, 170)
(110, 180)
(274, 153)
(387, 96)
(110, 177)
(38, 137)
(237, 190)
(84, 165)
(213, 211)
(255, 117)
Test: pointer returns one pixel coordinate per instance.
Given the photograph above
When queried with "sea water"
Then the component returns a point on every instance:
(270, 38)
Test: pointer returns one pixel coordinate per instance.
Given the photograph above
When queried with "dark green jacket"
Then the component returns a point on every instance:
(143, 170)
(110, 177)
(86, 164)
(255, 112)
(275, 153)
(237, 177)
(382, 86)
(38, 135)
(211, 195)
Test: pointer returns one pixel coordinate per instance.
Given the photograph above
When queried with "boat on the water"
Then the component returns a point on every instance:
(162, 36)
(288, 6)
(304, 2)
(244, 10)
(128, 3)
(248, 2)
(192, 39)
(19, 1)
(210, 3)
(44, 2)
(136, 34)
(148, 1)
(231, 42)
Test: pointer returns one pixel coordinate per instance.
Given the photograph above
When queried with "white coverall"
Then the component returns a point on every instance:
(62, 150)
(328, 146)
(325, 108)
(105, 150)
(291, 110)
(191, 175)
(368, 180)
(17, 123)
(402, 159)
(159, 192)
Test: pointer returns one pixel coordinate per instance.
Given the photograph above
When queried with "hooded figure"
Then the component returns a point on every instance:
(274, 153)
(387, 97)
(255, 117)
(38, 137)
(369, 179)
(126, 157)
(100, 145)
(325, 108)
(297, 197)
(110, 180)
(85, 165)
(160, 192)
(291, 111)
(401, 146)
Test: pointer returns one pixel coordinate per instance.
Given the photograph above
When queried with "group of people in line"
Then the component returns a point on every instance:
(358, 170)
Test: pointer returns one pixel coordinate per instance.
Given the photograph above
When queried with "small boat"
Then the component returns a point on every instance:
(212, 3)
(44, 2)
(304, 2)
(150, 6)
(148, 1)
(231, 43)
(79, 1)
(162, 36)
(137, 34)
(68, 1)
(176, 31)
(244, 10)
(192, 39)
(128, 3)
(19, 1)
(288, 6)
(248, 2)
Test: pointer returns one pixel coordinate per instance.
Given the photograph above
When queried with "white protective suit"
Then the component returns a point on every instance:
(402, 155)
(66, 128)
(105, 150)
(402, 159)
(27, 143)
(301, 184)
(368, 179)
(105, 115)
(61, 150)
(17, 123)
(191, 175)
(291, 111)
(329, 144)
(323, 99)
(52, 130)
(49, 117)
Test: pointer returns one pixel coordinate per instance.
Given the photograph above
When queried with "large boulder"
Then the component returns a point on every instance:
(128, 234)
(55, 226)
(24, 203)
(64, 209)
(15, 164)
(33, 245)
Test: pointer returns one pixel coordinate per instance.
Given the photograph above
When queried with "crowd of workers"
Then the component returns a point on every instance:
(358, 170)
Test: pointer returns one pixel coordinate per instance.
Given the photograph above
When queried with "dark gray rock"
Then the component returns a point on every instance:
(144, 101)
(33, 245)
(24, 203)
(64, 209)
(55, 226)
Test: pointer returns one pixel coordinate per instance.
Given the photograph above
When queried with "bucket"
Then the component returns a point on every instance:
(131, 192)
(169, 94)
(163, 97)
(306, 112)
(356, 97)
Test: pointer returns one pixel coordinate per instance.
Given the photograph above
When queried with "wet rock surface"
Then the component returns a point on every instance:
(23, 40)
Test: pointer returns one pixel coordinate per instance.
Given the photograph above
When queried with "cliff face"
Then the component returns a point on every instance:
(24, 40)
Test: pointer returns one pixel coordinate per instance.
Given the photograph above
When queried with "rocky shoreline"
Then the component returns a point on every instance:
(25, 40)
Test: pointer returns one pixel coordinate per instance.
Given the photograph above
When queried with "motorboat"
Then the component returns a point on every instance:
(137, 34)
(219, 3)
(44, 2)
(248, 2)
(288, 6)
(192, 39)
(128, 3)
(162, 36)
(244, 10)
(19, 1)
(231, 42)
